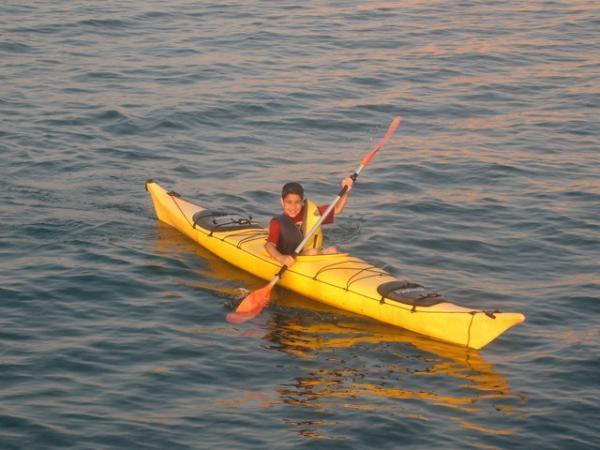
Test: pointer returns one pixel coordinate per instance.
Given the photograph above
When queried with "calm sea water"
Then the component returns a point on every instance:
(112, 329)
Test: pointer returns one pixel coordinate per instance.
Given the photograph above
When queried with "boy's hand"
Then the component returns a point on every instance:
(287, 260)
(348, 182)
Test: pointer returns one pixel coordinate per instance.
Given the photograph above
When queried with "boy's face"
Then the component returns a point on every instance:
(292, 204)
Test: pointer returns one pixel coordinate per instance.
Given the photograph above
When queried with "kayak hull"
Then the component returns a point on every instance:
(339, 280)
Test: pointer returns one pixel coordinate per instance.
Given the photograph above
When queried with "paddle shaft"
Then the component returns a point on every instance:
(314, 229)
(365, 161)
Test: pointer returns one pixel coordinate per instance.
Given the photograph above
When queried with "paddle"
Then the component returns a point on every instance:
(255, 302)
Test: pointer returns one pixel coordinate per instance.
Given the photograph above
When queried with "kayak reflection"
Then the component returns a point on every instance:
(360, 364)
(367, 366)
(416, 356)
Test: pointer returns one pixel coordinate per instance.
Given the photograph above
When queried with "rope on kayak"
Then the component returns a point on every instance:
(173, 196)
(490, 314)
(247, 236)
(469, 328)
(372, 271)
(422, 300)
(240, 222)
(216, 221)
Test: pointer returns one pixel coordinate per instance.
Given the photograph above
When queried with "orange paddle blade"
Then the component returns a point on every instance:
(384, 140)
(252, 305)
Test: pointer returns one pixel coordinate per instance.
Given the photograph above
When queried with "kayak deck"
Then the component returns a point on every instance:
(339, 280)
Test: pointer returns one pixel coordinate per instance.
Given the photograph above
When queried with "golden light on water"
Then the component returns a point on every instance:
(311, 331)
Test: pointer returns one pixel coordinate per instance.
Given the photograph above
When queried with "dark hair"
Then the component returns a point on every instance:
(292, 188)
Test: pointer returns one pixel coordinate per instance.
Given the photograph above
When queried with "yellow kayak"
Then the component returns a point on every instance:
(339, 280)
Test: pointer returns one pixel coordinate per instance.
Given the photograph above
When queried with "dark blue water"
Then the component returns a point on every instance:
(112, 329)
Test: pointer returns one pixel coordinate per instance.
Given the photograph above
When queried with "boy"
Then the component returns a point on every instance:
(287, 230)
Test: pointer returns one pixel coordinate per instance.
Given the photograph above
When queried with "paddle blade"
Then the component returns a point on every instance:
(252, 305)
(382, 142)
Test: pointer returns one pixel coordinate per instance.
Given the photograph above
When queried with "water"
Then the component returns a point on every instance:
(112, 330)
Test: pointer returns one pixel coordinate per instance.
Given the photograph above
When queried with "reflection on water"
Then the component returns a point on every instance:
(372, 367)
(352, 362)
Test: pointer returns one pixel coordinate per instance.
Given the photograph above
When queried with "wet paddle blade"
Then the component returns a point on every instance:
(235, 317)
(252, 305)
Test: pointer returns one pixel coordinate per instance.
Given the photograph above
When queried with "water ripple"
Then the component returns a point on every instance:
(112, 331)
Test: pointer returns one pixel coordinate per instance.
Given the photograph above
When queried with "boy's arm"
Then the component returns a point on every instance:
(286, 260)
(340, 205)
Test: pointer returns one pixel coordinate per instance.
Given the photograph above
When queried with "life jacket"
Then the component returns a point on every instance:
(291, 234)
